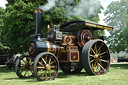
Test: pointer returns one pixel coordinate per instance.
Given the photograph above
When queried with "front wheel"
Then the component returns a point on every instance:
(46, 66)
(95, 57)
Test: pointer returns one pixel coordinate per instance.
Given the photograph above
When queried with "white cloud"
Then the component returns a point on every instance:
(2, 3)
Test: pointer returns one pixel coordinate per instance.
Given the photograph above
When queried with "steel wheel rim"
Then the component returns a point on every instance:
(46, 67)
(24, 67)
(99, 58)
(95, 63)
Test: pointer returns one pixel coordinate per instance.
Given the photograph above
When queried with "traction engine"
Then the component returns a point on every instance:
(71, 47)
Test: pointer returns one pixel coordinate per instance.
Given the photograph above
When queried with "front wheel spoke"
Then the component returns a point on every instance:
(40, 63)
(46, 74)
(93, 51)
(52, 66)
(40, 71)
(49, 60)
(40, 67)
(104, 60)
(44, 61)
(43, 74)
(46, 58)
(50, 73)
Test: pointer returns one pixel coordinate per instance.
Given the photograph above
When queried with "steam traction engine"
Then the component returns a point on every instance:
(71, 47)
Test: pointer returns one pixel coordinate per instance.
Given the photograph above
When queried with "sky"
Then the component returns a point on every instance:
(104, 3)
(2, 3)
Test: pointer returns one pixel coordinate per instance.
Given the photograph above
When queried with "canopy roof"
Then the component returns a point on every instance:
(84, 24)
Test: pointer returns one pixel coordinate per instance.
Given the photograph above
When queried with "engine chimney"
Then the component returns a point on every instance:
(38, 23)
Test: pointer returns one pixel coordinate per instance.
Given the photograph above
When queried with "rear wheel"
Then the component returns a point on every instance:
(46, 66)
(95, 57)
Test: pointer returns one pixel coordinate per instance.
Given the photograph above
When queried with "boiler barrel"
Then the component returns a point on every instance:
(36, 47)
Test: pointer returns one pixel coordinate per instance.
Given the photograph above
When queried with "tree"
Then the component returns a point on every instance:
(2, 12)
(117, 17)
(19, 18)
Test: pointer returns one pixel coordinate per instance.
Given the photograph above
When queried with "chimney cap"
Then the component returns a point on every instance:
(38, 10)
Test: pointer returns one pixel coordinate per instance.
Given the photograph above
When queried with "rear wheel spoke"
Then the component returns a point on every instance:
(101, 63)
(100, 66)
(103, 53)
(104, 60)
(100, 48)
(95, 48)
(91, 61)
(91, 55)
(93, 51)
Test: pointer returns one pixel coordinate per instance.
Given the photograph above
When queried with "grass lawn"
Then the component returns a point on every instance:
(118, 75)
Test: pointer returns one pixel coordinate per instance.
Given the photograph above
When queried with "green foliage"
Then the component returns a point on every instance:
(117, 17)
(19, 21)
(2, 12)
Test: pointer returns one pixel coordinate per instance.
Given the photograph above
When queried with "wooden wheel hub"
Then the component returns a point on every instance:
(48, 67)
(96, 55)
(89, 38)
